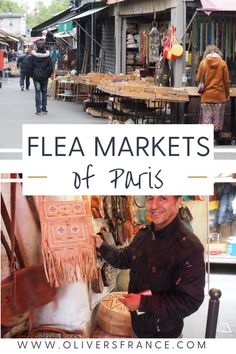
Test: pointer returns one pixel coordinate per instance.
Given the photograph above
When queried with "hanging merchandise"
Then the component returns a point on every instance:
(17, 296)
(186, 216)
(188, 54)
(225, 212)
(154, 43)
(96, 206)
(67, 242)
(173, 49)
(162, 72)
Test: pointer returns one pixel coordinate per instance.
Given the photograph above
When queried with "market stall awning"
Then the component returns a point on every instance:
(3, 42)
(109, 2)
(218, 5)
(86, 13)
(62, 35)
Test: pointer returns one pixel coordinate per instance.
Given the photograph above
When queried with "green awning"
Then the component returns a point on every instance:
(85, 14)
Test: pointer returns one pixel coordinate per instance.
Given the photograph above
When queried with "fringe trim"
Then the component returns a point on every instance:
(68, 265)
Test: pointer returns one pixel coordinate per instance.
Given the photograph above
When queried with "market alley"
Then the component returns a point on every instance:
(18, 107)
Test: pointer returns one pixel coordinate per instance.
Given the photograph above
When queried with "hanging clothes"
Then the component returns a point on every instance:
(225, 212)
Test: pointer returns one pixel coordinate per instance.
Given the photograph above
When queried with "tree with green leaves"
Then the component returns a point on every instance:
(41, 12)
(12, 6)
(44, 12)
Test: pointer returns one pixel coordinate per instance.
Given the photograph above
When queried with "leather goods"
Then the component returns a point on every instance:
(185, 214)
(113, 316)
(97, 284)
(10, 315)
(31, 288)
(67, 240)
(25, 288)
(96, 206)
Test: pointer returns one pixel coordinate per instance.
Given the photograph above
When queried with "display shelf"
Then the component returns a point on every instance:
(222, 258)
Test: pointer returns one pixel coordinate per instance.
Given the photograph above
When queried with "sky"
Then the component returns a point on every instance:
(32, 3)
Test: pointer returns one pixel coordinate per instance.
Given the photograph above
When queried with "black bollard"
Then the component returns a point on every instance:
(213, 310)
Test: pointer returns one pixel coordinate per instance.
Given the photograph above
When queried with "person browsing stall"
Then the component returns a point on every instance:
(167, 270)
(214, 71)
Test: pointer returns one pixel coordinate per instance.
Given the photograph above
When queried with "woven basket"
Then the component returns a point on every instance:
(113, 316)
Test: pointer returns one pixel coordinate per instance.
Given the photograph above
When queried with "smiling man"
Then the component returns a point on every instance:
(167, 271)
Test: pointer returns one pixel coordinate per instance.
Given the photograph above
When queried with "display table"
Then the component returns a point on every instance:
(192, 92)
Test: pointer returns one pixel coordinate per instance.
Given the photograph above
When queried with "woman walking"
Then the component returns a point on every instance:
(216, 81)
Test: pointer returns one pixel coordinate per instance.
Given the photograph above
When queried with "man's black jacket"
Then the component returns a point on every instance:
(170, 263)
(39, 65)
(22, 62)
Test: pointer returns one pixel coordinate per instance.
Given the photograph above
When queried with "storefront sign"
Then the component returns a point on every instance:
(65, 27)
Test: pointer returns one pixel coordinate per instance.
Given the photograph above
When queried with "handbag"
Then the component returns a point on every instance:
(185, 214)
(201, 85)
(25, 288)
(68, 245)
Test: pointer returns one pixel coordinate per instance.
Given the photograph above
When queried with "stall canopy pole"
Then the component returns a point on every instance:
(189, 24)
(88, 34)
(92, 42)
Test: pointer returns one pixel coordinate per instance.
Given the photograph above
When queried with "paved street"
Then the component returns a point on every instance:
(18, 107)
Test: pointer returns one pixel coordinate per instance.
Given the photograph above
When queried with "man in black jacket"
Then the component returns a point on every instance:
(167, 271)
(40, 68)
(22, 65)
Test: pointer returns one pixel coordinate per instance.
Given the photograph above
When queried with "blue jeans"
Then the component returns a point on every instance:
(24, 78)
(41, 95)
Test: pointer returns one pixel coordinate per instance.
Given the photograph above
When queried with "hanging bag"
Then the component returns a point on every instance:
(67, 240)
(25, 288)
(201, 85)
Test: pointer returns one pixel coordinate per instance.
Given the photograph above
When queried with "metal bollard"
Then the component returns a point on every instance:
(213, 310)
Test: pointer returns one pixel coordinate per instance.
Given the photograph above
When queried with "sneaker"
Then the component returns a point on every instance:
(38, 112)
(44, 111)
(22, 88)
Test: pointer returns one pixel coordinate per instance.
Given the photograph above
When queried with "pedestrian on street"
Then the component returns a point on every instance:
(213, 69)
(167, 271)
(22, 65)
(40, 68)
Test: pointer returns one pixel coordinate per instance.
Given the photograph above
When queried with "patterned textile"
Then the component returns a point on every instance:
(67, 242)
(213, 113)
(53, 332)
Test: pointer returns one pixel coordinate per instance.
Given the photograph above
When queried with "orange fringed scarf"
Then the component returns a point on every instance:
(67, 242)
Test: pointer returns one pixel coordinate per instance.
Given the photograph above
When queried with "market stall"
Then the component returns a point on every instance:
(82, 300)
